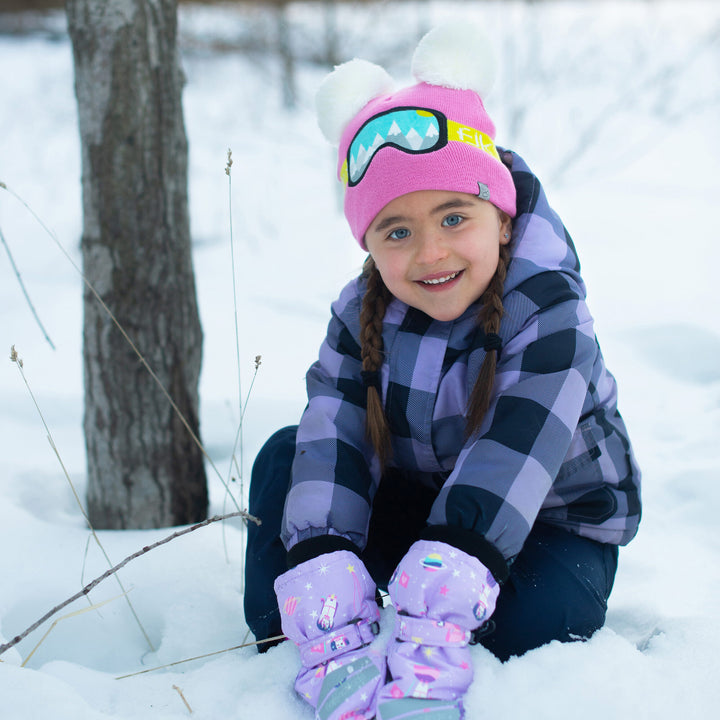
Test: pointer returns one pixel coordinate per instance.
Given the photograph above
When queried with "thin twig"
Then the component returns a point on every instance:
(234, 283)
(182, 697)
(238, 434)
(102, 548)
(24, 291)
(135, 349)
(242, 406)
(65, 617)
(19, 363)
(228, 172)
(85, 590)
(201, 657)
(233, 456)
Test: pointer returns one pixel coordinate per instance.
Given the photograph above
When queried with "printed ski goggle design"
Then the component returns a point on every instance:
(412, 130)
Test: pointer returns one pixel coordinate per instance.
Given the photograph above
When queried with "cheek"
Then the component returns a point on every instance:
(388, 267)
(390, 278)
(485, 261)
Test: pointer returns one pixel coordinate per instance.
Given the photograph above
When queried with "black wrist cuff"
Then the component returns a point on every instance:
(473, 544)
(316, 546)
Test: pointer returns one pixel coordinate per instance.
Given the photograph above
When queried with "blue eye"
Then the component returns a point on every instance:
(452, 220)
(400, 234)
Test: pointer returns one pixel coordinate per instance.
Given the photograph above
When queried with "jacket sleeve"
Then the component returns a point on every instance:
(335, 472)
(505, 471)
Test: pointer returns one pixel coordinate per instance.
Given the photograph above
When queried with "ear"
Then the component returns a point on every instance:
(505, 227)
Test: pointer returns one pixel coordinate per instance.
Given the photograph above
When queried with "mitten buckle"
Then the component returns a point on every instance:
(354, 635)
(424, 631)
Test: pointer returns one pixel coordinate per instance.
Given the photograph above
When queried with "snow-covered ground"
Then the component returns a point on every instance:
(616, 105)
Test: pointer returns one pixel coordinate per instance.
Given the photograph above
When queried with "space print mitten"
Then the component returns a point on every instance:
(328, 609)
(440, 594)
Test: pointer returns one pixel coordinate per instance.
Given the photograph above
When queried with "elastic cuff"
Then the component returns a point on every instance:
(315, 546)
(473, 544)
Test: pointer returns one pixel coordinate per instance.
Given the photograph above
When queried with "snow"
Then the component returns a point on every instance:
(614, 104)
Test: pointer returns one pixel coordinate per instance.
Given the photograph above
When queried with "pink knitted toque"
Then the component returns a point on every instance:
(435, 135)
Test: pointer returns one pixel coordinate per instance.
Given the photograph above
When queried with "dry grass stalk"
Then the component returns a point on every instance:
(23, 288)
(65, 617)
(238, 436)
(18, 361)
(127, 338)
(90, 586)
(242, 405)
(201, 657)
(182, 697)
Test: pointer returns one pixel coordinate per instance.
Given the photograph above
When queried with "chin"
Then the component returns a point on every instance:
(444, 315)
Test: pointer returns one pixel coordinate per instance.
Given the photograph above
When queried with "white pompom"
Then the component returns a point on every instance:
(457, 55)
(345, 91)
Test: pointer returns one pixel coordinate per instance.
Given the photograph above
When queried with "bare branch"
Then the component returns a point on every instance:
(276, 638)
(85, 590)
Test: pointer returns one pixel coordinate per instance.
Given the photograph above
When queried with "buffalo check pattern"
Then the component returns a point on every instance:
(553, 447)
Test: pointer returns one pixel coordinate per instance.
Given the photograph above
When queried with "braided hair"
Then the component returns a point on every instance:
(489, 317)
(375, 302)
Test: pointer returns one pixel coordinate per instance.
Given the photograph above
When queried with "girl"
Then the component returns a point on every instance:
(461, 445)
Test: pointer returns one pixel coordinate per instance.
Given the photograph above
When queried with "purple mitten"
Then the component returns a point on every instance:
(440, 594)
(327, 606)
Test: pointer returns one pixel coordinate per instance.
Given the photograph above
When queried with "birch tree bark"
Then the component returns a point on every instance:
(144, 468)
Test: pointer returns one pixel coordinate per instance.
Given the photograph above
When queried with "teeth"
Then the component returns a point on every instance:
(440, 281)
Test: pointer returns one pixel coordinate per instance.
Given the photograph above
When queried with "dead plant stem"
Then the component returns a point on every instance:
(85, 590)
(127, 338)
(19, 364)
(24, 290)
(201, 657)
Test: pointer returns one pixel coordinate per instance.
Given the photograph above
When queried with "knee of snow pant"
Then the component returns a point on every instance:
(557, 590)
(265, 556)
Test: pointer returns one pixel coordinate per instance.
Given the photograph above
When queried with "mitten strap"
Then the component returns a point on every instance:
(425, 631)
(356, 634)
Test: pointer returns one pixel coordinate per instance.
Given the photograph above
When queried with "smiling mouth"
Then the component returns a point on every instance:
(441, 280)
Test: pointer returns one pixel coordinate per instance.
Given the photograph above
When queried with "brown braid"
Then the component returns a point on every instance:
(489, 319)
(375, 301)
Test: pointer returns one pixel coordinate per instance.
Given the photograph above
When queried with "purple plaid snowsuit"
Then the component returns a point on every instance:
(552, 448)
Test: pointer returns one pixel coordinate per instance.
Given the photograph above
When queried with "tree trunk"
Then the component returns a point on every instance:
(144, 468)
(332, 41)
(285, 51)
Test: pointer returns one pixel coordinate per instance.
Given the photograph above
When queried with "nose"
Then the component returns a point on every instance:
(431, 249)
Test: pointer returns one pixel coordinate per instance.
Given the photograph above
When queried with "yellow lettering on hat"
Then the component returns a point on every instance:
(471, 136)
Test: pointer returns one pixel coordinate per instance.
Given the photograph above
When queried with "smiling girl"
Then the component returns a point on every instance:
(436, 250)
(461, 446)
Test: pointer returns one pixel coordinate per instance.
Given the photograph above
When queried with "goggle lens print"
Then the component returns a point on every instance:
(412, 130)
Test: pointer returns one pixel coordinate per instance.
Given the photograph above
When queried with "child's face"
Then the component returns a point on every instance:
(436, 250)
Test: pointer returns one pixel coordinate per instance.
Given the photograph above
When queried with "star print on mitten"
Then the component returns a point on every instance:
(440, 594)
(328, 609)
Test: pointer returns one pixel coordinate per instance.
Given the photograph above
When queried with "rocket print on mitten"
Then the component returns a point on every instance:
(327, 615)
(328, 610)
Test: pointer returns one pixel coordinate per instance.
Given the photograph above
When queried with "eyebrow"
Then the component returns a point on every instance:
(388, 221)
(453, 204)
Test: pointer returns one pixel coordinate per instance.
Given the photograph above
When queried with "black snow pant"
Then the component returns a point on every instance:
(558, 585)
